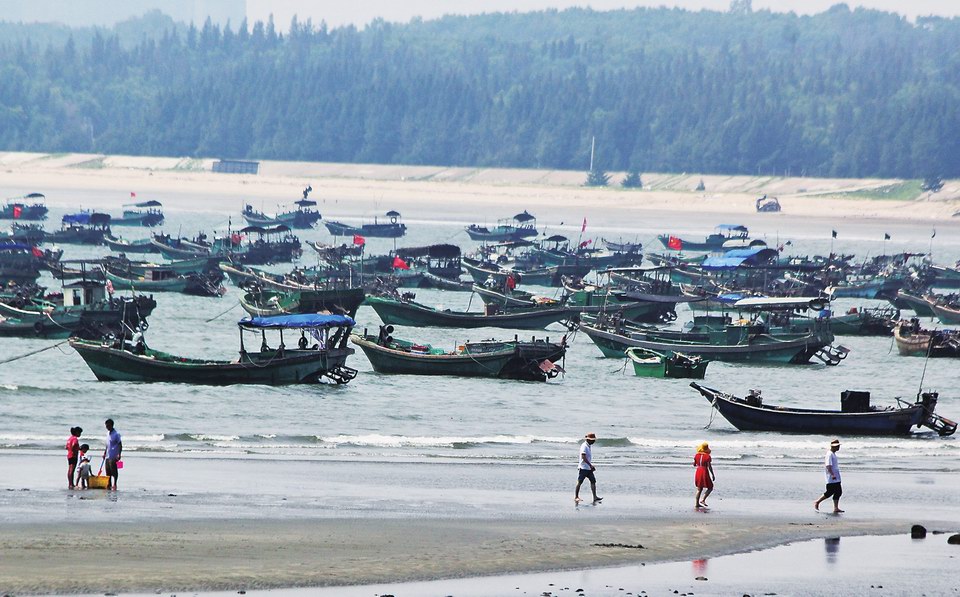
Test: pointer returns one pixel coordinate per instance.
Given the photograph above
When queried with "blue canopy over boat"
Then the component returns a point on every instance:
(14, 247)
(740, 257)
(303, 320)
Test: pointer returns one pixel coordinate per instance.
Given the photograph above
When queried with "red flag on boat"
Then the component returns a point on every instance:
(133, 195)
(586, 243)
(584, 227)
(359, 240)
(17, 211)
(675, 243)
(400, 263)
(36, 252)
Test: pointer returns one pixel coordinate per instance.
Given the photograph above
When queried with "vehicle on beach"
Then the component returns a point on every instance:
(855, 417)
(322, 355)
(533, 360)
(767, 204)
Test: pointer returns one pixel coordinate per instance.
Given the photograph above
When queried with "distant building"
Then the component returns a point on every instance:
(236, 167)
(106, 13)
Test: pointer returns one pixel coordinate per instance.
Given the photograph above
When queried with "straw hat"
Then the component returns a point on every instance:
(835, 442)
(590, 435)
(704, 447)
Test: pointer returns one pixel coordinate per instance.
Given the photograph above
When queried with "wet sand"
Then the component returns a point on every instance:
(200, 523)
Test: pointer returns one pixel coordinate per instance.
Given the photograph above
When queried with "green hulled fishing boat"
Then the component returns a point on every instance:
(396, 312)
(515, 359)
(650, 363)
(326, 358)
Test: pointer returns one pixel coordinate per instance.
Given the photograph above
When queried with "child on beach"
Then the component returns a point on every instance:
(83, 473)
(704, 477)
(82, 455)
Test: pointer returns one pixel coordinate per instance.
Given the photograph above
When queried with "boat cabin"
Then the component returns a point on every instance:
(83, 293)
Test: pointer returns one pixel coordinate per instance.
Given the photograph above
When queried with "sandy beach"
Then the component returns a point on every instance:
(240, 524)
(455, 193)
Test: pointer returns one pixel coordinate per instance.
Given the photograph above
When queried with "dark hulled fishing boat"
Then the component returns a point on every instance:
(522, 225)
(724, 233)
(144, 213)
(28, 207)
(855, 417)
(392, 228)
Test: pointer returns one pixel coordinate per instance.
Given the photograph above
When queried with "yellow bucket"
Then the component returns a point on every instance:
(98, 482)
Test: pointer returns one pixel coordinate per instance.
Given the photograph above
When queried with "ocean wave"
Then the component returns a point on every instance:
(400, 441)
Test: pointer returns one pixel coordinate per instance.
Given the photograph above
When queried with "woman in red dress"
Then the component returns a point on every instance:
(704, 476)
(73, 451)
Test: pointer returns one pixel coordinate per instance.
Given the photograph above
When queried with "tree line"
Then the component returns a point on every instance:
(846, 93)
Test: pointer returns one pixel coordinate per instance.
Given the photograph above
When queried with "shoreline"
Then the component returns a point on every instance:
(450, 193)
(211, 524)
(214, 555)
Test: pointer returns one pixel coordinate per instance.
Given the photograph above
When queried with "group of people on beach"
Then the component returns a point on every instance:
(79, 469)
(704, 476)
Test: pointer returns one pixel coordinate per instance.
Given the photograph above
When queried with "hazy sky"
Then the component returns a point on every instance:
(360, 12)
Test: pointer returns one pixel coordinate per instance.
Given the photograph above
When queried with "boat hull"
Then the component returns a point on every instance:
(295, 367)
(793, 351)
(412, 314)
(747, 417)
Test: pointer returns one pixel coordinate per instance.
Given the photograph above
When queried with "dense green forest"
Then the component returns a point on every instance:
(842, 93)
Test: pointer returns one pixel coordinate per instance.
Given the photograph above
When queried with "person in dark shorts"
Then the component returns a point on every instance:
(112, 454)
(832, 472)
(73, 454)
(586, 468)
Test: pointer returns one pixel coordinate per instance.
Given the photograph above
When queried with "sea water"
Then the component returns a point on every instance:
(443, 420)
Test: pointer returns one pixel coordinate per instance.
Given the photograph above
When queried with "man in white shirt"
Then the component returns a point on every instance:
(832, 472)
(586, 468)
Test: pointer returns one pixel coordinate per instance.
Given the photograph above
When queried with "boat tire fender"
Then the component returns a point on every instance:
(38, 327)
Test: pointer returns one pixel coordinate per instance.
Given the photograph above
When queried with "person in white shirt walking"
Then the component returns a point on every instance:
(586, 468)
(832, 472)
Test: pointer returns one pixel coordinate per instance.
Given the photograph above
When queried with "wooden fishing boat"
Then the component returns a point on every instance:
(19, 264)
(918, 304)
(650, 363)
(745, 340)
(143, 213)
(948, 312)
(522, 225)
(855, 417)
(140, 246)
(396, 312)
(513, 359)
(865, 321)
(302, 217)
(872, 288)
(28, 207)
(158, 281)
(85, 312)
(914, 341)
(83, 228)
(724, 233)
(265, 303)
(134, 361)
(945, 277)
(28, 234)
(393, 228)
